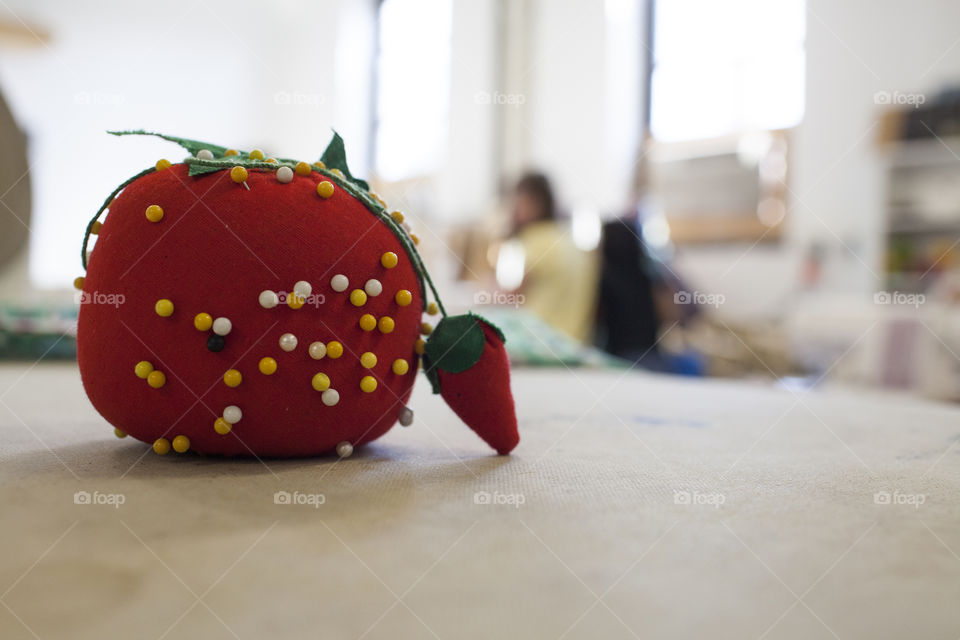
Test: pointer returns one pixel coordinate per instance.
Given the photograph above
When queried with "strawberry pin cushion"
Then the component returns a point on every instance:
(249, 306)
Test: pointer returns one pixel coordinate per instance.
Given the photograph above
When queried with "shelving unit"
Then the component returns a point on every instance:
(922, 236)
(722, 190)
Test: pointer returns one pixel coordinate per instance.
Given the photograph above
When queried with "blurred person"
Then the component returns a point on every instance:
(627, 319)
(541, 263)
(637, 291)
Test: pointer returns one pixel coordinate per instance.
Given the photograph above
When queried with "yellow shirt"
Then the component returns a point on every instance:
(560, 280)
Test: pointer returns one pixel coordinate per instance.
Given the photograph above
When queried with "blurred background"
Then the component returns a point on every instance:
(752, 188)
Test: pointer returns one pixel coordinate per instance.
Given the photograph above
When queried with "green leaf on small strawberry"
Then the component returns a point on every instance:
(455, 344)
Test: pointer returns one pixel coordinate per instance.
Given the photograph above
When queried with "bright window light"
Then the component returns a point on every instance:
(413, 87)
(510, 265)
(726, 67)
(585, 229)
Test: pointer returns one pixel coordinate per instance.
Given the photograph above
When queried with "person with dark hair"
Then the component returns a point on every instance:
(533, 201)
(550, 275)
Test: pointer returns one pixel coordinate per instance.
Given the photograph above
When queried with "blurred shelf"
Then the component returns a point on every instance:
(924, 152)
(923, 227)
(922, 214)
(729, 227)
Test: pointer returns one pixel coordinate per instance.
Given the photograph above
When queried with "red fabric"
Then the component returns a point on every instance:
(216, 248)
(481, 395)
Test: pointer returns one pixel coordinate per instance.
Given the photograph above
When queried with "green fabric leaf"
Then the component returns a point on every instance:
(495, 328)
(197, 169)
(193, 146)
(103, 207)
(335, 157)
(456, 344)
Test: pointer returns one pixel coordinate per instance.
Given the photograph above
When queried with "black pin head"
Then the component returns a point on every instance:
(215, 343)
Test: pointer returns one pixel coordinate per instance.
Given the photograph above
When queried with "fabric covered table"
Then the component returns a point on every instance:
(635, 506)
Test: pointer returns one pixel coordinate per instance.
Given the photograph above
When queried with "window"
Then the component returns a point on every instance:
(413, 87)
(726, 67)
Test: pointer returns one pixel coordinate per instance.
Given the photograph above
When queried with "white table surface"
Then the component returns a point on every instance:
(651, 507)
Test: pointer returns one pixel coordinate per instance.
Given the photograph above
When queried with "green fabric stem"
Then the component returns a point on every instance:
(335, 157)
(106, 203)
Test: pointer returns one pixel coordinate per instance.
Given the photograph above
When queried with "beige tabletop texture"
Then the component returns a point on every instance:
(636, 506)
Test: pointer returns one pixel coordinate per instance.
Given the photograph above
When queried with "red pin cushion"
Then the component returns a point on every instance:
(237, 306)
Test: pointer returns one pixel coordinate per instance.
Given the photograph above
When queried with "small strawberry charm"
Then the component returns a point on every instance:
(242, 305)
(466, 361)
